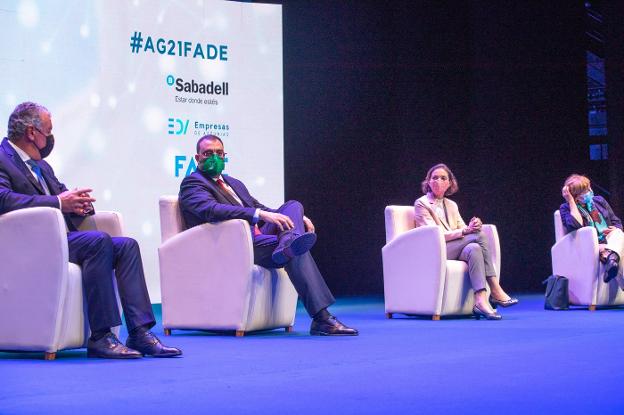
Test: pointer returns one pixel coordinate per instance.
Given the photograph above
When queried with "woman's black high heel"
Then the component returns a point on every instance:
(478, 313)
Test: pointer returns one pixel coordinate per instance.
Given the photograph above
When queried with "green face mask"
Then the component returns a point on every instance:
(212, 166)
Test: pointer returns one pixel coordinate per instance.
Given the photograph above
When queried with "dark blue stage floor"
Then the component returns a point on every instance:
(532, 362)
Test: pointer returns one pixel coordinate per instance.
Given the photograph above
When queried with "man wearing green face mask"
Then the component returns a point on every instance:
(281, 237)
(213, 165)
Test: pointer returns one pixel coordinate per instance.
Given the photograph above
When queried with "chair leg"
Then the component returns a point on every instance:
(435, 317)
(388, 315)
(592, 307)
(289, 329)
(240, 333)
(167, 332)
(49, 356)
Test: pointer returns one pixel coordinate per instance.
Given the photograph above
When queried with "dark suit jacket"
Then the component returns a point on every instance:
(202, 200)
(603, 207)
(20, 189)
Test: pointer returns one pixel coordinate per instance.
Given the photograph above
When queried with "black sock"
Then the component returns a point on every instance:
(137, 331)
(323, 314)
(97, 335)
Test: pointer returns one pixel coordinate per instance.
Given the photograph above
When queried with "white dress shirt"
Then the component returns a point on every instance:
(25, 157)
(232, 193)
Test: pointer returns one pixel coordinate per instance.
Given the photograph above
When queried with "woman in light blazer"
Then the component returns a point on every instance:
(463, 242)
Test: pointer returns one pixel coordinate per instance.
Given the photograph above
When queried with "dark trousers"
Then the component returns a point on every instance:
(302, 270)
(98, 255)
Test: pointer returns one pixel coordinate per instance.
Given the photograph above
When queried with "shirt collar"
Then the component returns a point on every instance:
(432, 199)
(23, 155)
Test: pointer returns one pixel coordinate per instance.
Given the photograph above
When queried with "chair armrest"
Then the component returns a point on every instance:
(491, 234)
(105, 221)
(33, 281)
(206, 271)
(414, 267)
(575, 256)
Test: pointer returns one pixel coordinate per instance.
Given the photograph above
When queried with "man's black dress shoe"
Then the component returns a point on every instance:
(292, 245)
(478, 313)
(330, 326)
(109, 347)
(507, 303)
(148, 344)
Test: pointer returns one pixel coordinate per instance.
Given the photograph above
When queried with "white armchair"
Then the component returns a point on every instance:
(41, 295)
(575, 256)
(209, 281)
(418, 279)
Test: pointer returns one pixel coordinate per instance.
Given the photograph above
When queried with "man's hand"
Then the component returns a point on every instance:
(283, 222)
(76, 201)
(309, 226)
(87, 207)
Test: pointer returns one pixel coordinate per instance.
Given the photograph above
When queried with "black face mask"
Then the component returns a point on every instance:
(49, 145)
(47, 149)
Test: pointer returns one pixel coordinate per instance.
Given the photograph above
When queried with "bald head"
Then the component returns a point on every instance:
(208, 137)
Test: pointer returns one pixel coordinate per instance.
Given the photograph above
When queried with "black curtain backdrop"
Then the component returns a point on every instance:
(377, 92)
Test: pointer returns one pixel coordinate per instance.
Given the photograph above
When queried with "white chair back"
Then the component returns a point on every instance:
(559, 230)
(105, 221)
(399, 219)
(171, 221)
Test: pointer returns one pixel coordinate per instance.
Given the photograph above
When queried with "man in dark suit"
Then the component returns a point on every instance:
(281, 237)
(26, 180)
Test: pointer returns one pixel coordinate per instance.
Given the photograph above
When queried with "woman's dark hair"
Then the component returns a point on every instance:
(453, 188)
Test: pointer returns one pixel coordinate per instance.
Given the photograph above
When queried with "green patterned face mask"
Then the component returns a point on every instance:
(212, 166)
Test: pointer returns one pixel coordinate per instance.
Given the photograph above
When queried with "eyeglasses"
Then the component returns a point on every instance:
(210, 153)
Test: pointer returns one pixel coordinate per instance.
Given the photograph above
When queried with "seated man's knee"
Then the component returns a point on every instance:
(100, 241)
(292, 208)
(125, 243)
(294, 203)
